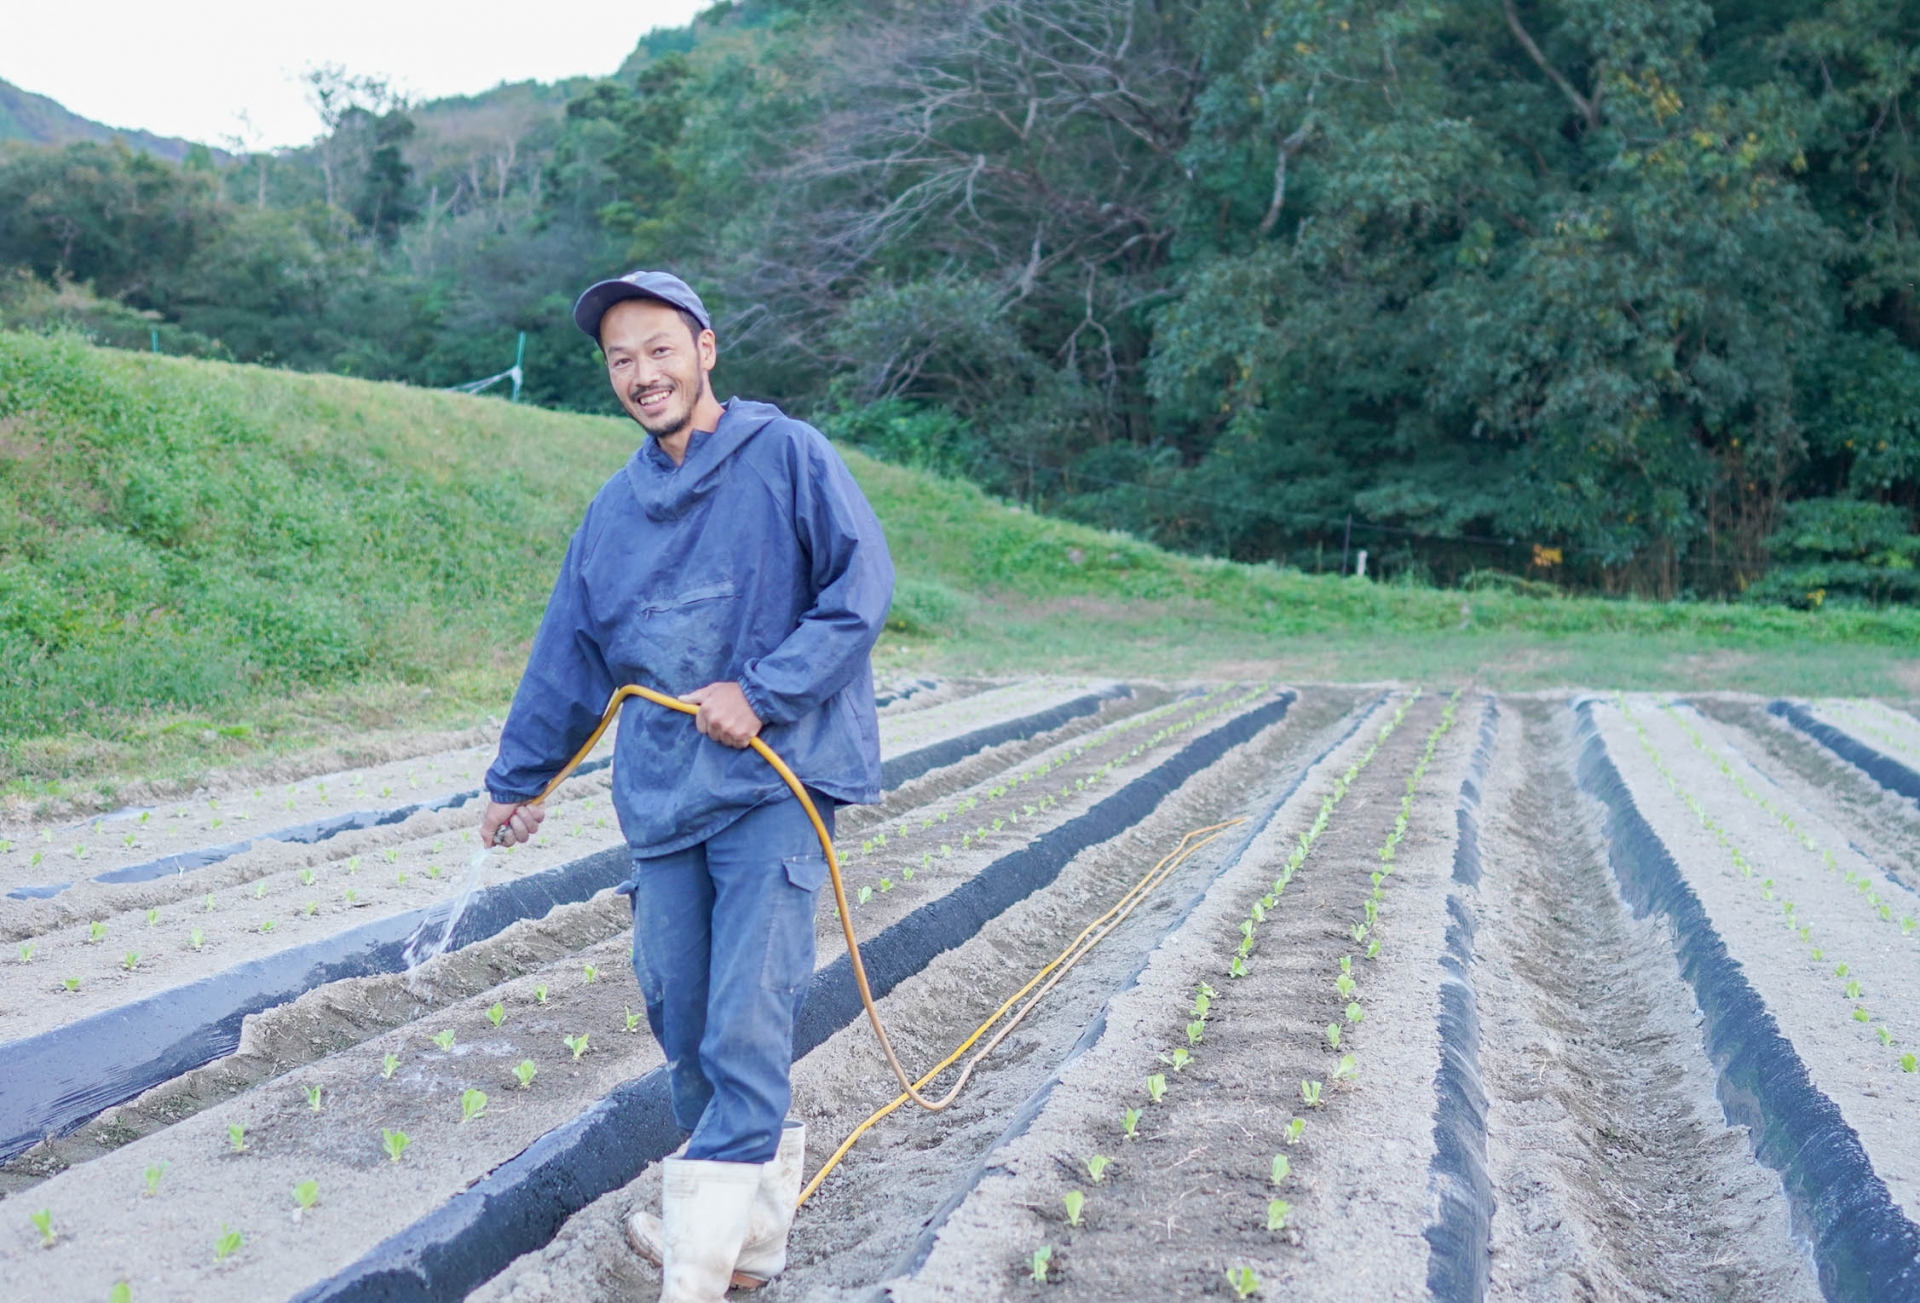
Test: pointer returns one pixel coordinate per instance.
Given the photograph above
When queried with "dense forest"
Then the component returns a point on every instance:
(1610, 295)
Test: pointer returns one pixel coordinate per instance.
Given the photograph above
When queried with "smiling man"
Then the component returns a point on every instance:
(732, 562)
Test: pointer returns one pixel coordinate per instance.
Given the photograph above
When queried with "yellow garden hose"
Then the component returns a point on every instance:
(1089, 936)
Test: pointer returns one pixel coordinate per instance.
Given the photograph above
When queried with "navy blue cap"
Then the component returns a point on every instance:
(659, 285)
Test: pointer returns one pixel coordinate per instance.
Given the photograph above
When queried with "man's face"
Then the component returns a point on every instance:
(656, 364)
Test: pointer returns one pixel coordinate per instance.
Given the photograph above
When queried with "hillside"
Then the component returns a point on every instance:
(38, 120)
(202, 563)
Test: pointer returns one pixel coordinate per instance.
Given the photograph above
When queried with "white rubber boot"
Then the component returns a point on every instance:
(764, 1255)
(706, 1207)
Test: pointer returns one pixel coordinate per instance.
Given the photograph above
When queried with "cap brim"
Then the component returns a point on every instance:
(593, 304)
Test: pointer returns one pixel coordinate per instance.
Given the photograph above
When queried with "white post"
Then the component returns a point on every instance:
(1360, 563)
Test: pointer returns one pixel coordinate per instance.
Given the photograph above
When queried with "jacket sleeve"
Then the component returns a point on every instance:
(853, 582)
(561, 695)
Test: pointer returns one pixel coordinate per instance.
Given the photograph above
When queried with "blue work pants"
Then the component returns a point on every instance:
(723, 948)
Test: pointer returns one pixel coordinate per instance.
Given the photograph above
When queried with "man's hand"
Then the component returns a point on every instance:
(508, 824)
(724, 714)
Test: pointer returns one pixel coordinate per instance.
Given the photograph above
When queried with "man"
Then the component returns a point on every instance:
(735, 563)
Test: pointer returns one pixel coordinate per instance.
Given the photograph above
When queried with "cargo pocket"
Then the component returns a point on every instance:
(789, 961)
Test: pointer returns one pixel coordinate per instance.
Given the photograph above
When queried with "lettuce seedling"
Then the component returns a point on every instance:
(592, 973)
(395, 1143)
(1861, 1015)
(1345, 1068)
(1333, 1035)
(540, 994)
(1281, 1168)
(227, 1244)
(1344, 985)
(315, 1096)
(154, 1174)
(95, 932)
(132, 961)
(305, 1196)
(260, 890)
(1243, 1282)
(578, 1044)
(153, 917)
(473, 1103)
(1355, 1013)
(313, 907)
(1037, 1264)
(1238, 968)
(1373, 949)
(1277, 1210)
(633, 1019)
(43, 1222)
(1130, 1122)
(1853, 989)
(26, 952)
(1908, 1063)
(1097, 1167)
(886, 885)
(1075, 1202)
(388, 1066)
(71, 983)
(206, 904)
(1886, 1037)
(1359, 933)
(120, 1293)
(237, 1137)
(444, 1039)
(1294, 1130)
(1310, 1092)
(267, 926)
(866, 894)
(1201, 1003)
(1156, 1086)
(1195, 1030)
(524, 1073)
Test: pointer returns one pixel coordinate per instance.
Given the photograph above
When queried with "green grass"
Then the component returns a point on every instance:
(205, 565)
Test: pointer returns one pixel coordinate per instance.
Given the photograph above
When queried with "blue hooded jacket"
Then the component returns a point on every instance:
(756, 560)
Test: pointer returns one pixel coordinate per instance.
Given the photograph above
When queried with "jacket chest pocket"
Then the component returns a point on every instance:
(685, 640)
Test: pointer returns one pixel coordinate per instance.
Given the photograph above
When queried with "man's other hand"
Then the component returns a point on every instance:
(724, 714)
(521, 822)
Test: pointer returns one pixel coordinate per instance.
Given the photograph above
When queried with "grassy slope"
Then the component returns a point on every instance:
(203, 564)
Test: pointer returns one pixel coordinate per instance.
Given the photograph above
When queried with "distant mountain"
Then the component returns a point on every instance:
(41, 121)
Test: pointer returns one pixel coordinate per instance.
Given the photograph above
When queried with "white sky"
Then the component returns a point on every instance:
(191, 67)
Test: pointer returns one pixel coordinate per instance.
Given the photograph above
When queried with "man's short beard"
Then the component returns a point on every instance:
(672, 423)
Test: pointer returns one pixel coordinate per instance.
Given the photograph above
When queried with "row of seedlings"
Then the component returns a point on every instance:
(1841, 972)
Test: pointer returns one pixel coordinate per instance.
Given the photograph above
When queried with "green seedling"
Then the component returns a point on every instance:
(395, 1143)
(1294, 1130)
(1156, 1087)
(1277, 1210)
(154, 1174)
(633, 1019)
(132, 961)
(1345, 1068)
(260, 890)
(120, 1293)
(206, 903)
(1243, 1282)
(26, 952)
(313, 907)
(1344, 985)
(578, 1044)
(1281, 1168)
(315, 1097)
(1355, 1013)
(1333, 1035)
(306, 877)
(907, 873)
(96, 932)
(1346, 963)
(1839, 970)
(866, 894)
(1886, 1037)
(227, 1244)
(444, 1039)
(400, 878)
(153, 917)
(388, 1066)
(1310, 1092)
(1853, 989)
(71, 983)
(353, 864)
(1238, 968)
(1180, 1059)
(43, 1222)
(886, 885)
(1861, 1015)
(1195, 1030)
(1908, 1063)
(473, 1103)
(392, 854)
(540, 995)
(267, 926)
(1038, 1263)
(592, 973)
(433, 871)
(1130, 1121)
(237, 1137)
(525, 1072)
(496, 1013)
(1076, 1202)
(306, 1195)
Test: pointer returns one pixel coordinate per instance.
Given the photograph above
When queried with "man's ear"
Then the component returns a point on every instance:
(709, 351)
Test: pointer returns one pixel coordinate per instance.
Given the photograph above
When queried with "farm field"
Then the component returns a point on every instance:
(1455, 994)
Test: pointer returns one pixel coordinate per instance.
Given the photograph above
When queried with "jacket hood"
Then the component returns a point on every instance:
(666, 491)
